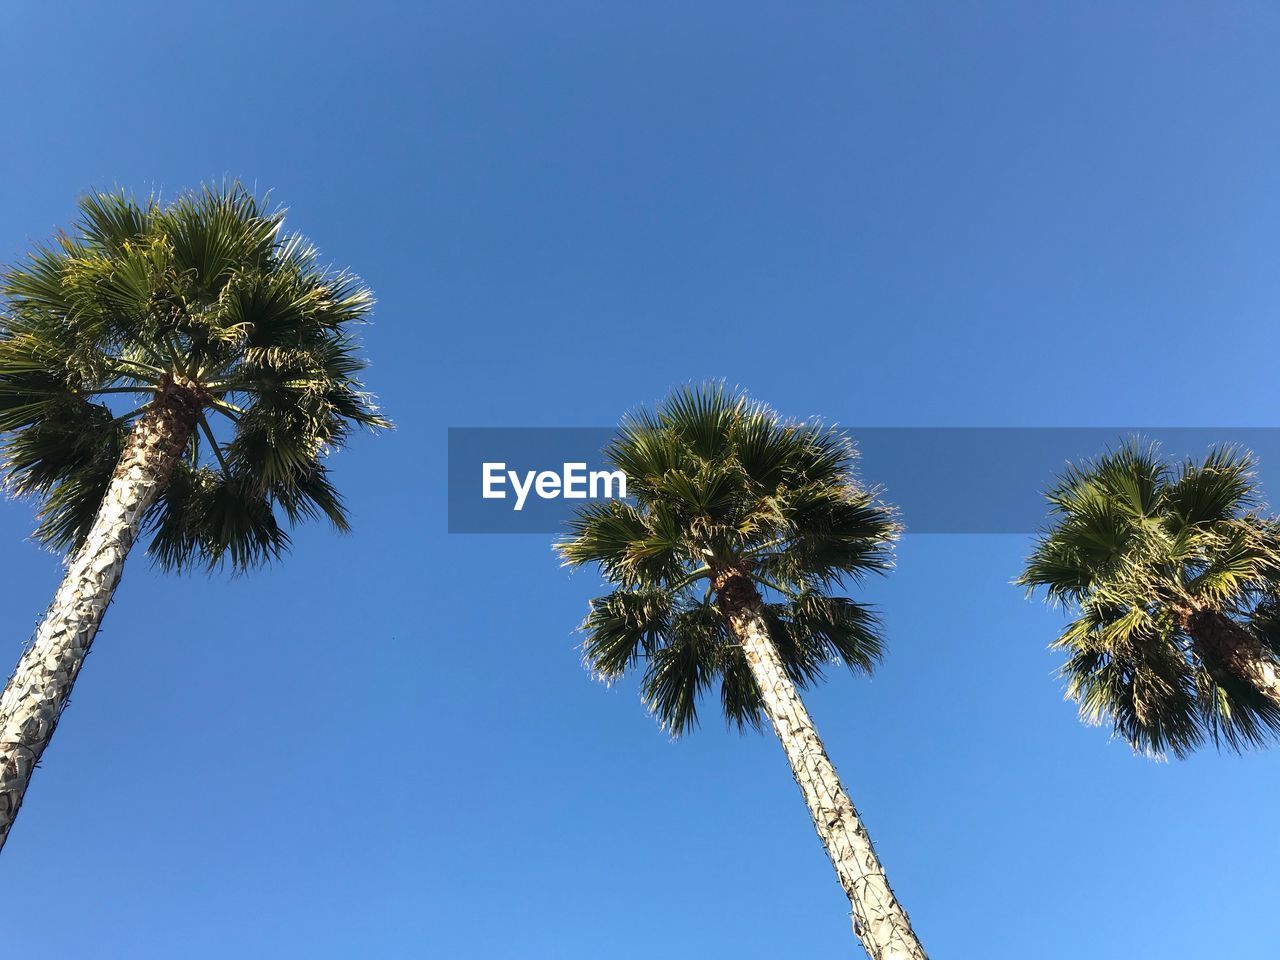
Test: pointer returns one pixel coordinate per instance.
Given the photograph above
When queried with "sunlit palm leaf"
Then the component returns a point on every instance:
(208, 288)
(719, 480)
(1132, 542)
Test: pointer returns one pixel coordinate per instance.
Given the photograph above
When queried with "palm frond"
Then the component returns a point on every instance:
(722, 483)
(1133, 545)
(206, 290)
(685, 666)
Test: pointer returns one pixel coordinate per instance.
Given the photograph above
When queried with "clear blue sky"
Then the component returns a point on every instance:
(889, 214)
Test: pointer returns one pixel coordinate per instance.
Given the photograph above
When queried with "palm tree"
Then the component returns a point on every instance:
(723, 567)
(1172, 575)
(119, 344)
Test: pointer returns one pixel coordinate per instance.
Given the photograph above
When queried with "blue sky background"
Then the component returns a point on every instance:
(909, 214)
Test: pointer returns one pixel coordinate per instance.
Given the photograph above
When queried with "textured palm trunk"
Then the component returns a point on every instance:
(1225, 643)
(879, 921)
(40, 687)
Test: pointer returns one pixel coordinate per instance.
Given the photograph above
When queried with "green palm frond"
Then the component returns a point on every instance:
(1134, 545)
(1220, 488)
(1130, 479)
(624, 626)
(837, 628)
(684, 666)
(720, 481)
(207, 288)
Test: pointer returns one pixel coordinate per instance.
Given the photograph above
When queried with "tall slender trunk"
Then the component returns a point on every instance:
(879, 921)
(41, 685)
(1229, 645)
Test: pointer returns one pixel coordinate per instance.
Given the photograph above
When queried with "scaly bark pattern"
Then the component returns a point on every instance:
(1223, 642)
(879, 921)
(40, 687)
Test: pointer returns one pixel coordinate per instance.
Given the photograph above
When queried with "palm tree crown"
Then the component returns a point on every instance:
(1172, 574)
(723, 488)
(205, 296)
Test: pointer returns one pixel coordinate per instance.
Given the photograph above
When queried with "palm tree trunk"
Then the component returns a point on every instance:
(879, 921)
(1226, 643)
(41, 685)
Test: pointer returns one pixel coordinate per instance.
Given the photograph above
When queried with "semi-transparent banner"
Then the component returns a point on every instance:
(942, 479)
